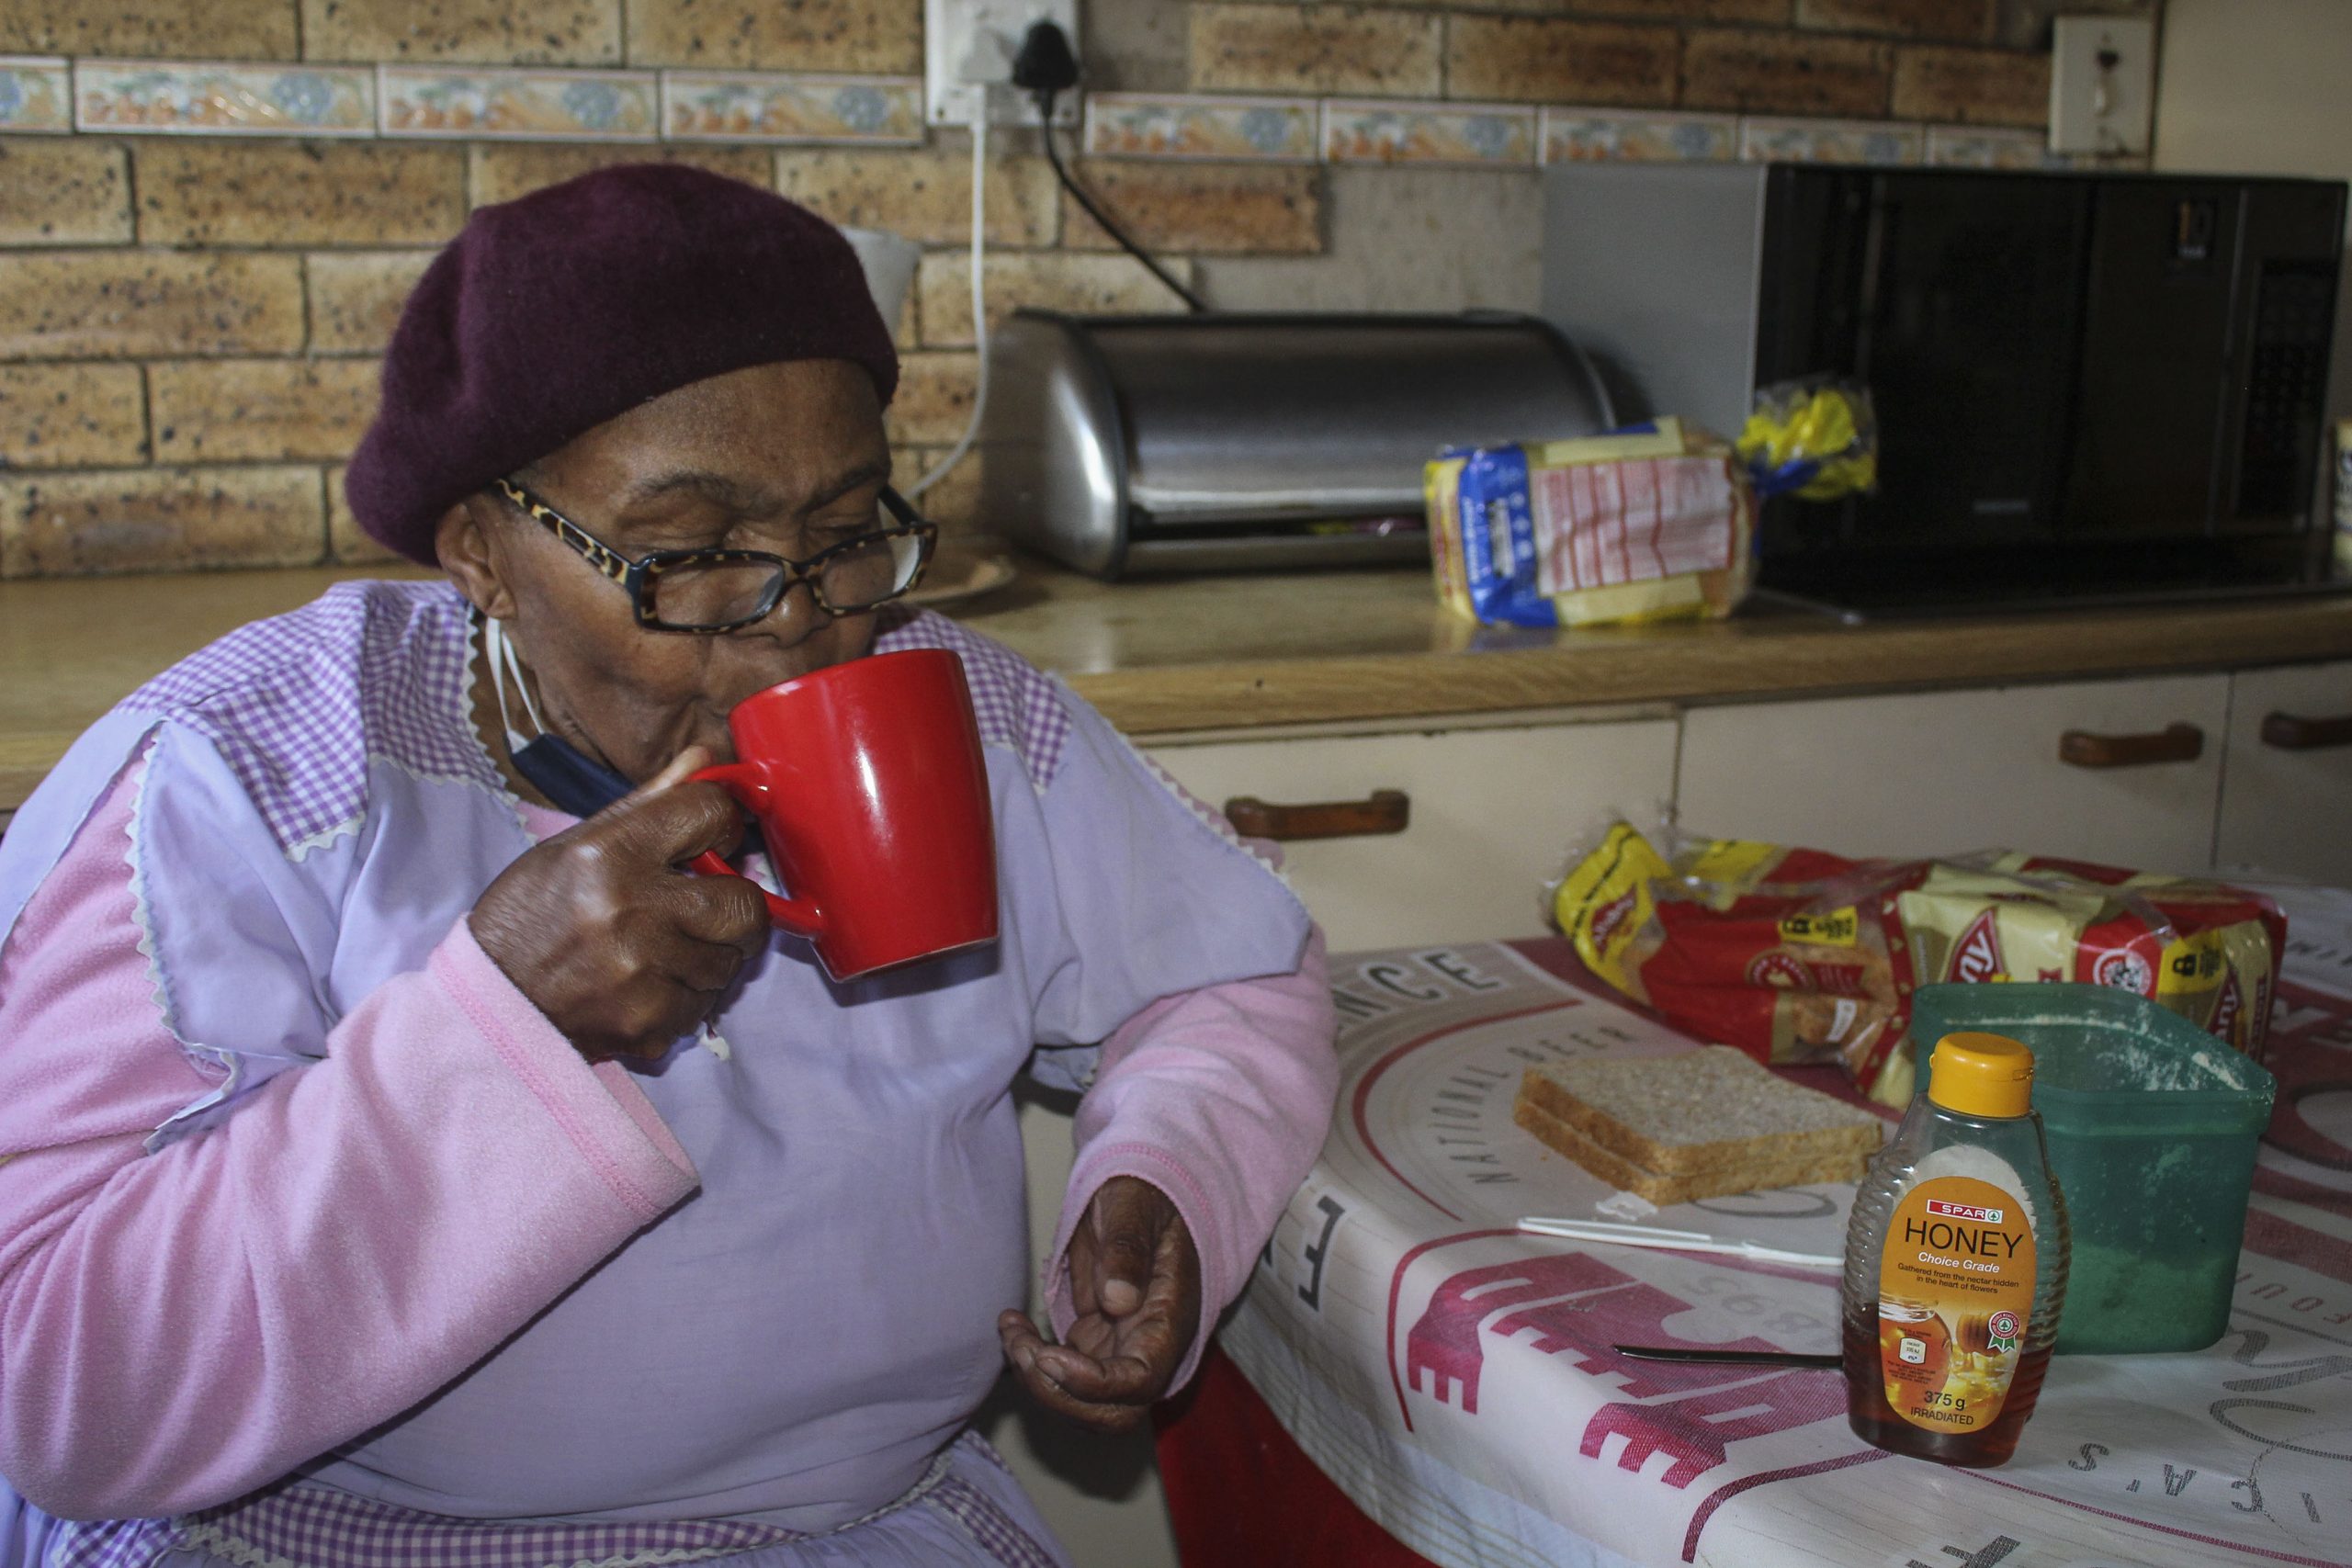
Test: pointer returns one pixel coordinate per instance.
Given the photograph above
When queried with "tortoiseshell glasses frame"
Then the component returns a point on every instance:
(905, 548)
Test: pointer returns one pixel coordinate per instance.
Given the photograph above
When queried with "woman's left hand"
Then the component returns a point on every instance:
(1136, 1280)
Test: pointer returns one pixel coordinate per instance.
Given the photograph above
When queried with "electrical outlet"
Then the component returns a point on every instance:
(2102, 80)
(967, 49)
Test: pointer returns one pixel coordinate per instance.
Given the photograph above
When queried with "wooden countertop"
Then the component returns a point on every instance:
(1211, 653)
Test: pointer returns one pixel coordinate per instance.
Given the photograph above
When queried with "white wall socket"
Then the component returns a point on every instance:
(967, 49)
(2096, 107)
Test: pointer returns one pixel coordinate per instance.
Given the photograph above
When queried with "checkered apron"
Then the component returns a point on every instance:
(310, 1527)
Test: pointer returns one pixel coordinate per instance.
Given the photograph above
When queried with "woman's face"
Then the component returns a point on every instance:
(786, 457)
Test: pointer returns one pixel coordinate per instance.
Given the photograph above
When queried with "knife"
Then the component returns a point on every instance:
(1735, 1358)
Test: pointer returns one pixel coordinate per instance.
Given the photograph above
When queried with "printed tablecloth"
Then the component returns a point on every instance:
(1457, 1379)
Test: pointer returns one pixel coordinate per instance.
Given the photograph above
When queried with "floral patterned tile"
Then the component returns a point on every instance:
(1376, 133)
(1830, 141)
(1575, 136)
(741, 105)
(174, 96)
(1136, 125)
(536, 105)
(35, 94)
(1972, 147)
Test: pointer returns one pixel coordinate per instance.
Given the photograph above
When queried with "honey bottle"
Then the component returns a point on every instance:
(1956, 1264)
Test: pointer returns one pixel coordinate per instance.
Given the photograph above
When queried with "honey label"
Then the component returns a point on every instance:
(1955, 1293)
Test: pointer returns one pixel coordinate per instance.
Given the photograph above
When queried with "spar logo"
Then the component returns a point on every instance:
(1977, 1212)
(1609, 916)
(1977, 955)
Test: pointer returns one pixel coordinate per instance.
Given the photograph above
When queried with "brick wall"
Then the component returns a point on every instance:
(211, 209)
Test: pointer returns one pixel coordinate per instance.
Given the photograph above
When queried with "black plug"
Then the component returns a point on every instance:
(1044, 65)
(1046, 68)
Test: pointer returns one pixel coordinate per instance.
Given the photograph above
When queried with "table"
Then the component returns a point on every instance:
(1455, 1380)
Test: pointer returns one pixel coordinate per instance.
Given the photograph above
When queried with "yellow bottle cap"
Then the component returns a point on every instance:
(1981, 1074)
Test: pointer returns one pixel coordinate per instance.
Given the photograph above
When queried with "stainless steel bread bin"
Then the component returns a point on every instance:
(1127, 445)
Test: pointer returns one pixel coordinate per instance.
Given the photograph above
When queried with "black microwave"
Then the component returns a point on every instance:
(2087, 384)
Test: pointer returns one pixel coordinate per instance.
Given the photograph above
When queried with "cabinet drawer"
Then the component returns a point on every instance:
(1948, 772)
(1491, 816)
(2286, 796)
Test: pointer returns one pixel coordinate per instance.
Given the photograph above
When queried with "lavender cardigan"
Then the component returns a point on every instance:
(293, 1182)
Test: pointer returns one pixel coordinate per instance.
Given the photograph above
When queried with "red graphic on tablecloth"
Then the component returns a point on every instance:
(1695, 1432)
(1578, 1306)
(2311, 1052)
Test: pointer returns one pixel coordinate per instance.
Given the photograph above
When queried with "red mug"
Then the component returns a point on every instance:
(869, 788)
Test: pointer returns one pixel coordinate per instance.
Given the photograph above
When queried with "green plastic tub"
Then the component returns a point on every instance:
(2151, 1125)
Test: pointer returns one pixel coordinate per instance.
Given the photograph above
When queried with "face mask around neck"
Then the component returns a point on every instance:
(571, 779)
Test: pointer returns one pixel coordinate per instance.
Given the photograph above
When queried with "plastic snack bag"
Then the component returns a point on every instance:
(1645, 523)
(1816, 440)
(1794, 955)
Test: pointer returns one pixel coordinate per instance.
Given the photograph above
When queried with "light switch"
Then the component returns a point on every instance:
(967, 50)
(2102, 85)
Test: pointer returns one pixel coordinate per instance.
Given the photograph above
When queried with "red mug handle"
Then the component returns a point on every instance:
(799, 916)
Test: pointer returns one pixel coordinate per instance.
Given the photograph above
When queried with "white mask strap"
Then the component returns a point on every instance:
(504, 662)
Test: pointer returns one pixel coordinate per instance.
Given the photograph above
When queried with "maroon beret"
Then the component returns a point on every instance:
(550, 314)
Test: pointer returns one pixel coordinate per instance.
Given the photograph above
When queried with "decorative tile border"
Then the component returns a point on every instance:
(1578, 135)
(746, 105)
(51, 95)
(527, 106)
(1972, 147)
(1478, 135)
(174, 97)
(35, 94)
(1831, 141)
(1139, 125)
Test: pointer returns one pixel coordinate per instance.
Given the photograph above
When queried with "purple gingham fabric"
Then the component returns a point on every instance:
(299, 705)
(311, 1527)
(112, 1543)
(991, 1527)
(315, 1528)
(1017, 705)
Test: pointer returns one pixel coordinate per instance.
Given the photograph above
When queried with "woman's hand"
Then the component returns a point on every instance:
(1136, 1280)
(621, 951)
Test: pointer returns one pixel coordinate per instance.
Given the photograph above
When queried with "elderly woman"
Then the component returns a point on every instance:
(404, 1162)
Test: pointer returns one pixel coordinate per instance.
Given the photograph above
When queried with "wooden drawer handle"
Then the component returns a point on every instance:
(2291, 732)
(1384, 811)
(2173, 743)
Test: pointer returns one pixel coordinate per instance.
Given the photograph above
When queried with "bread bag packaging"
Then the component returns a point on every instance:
(1798, 956)
(1651, 523)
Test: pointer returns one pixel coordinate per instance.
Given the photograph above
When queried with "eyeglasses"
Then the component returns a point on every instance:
(717, 590)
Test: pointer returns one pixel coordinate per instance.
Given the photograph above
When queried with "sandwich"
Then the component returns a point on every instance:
(1698, 1125)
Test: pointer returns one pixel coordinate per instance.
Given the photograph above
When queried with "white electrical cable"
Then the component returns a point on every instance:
(980, 305)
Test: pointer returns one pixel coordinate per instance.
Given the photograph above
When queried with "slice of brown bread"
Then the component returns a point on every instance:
(1754, 1176)
(1704, 1110)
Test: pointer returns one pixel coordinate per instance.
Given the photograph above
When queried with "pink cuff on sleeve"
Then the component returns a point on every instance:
(1220, 1098)
(1095, 1167)
(599, 1109)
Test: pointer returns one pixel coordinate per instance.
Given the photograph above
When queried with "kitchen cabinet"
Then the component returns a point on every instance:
(2287, 790)
(1491, 816)
(1941, 772)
